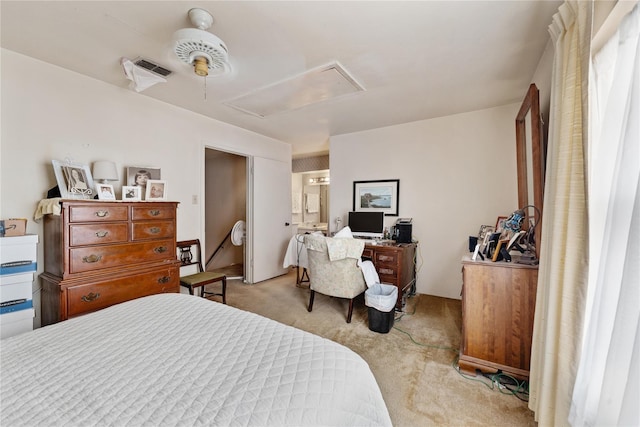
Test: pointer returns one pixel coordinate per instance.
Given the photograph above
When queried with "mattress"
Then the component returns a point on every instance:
(175, 359)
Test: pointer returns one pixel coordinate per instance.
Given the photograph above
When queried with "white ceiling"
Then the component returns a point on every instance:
(416, 60)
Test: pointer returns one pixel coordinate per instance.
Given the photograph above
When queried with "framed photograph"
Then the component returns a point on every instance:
(74, 180)
(139, 175)
(496, 255)
(484, 230)
(500, 223)
(131, 193)
(376, 196)
(156, 190)
(105, 192)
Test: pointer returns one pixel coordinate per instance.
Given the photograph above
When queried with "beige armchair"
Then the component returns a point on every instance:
(333, 268)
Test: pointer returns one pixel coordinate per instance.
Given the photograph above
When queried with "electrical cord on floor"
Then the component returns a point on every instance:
(506, 384)
(499, 380)
(439, 347)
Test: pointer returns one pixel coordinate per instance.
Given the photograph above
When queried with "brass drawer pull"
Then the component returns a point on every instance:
(154, 230)
(386, 271)
(160, 249)
(102, 234)
(164, 279)
(154, 212)
(102, 214)
(91, 259)
(91, 297)
(386, 258)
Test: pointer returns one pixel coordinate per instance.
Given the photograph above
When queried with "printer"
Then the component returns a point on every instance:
(402, 230)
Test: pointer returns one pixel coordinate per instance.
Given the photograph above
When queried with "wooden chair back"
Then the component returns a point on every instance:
(190, 253)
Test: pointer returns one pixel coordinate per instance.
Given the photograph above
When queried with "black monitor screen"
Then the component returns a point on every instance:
(366, 224)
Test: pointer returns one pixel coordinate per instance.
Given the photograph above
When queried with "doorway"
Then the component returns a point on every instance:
(225, 204)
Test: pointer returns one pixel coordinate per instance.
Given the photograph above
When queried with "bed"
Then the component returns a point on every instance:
(175, 359)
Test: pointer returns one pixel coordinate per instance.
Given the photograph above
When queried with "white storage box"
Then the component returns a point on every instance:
(16, 286)
(16, 323)
(18, 254)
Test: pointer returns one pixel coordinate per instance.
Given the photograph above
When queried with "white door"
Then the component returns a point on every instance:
(271, 217)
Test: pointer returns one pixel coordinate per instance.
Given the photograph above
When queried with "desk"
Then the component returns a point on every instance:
(396, 265)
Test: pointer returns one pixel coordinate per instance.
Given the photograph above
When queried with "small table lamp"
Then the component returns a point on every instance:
(104, 171)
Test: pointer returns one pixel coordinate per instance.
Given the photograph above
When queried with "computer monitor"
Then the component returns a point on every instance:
(367, 224)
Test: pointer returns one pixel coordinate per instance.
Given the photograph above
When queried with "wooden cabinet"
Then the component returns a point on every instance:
(395, 265)
(99, 253)
(498, 306)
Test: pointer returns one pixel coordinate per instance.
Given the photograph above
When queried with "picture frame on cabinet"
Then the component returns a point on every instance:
(139, 175)
(105, 192)
(500, 223)
(131, 193)
(496, 255)
(74, 180)
(156, 190)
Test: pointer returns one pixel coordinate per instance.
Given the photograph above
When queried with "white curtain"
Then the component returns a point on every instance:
(562, 277)
(606, 392)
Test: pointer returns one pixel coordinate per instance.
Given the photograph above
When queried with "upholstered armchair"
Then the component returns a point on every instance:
(333, 268)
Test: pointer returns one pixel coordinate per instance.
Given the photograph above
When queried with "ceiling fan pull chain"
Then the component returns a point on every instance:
(205, 87)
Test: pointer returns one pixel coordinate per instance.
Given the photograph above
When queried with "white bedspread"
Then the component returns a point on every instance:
(175, 359)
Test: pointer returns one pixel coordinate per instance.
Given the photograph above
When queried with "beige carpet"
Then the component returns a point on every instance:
(417, 379)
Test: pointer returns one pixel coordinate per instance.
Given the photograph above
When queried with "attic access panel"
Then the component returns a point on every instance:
(313, 86)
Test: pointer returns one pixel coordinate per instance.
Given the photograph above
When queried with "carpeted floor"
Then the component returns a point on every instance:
(413, 363)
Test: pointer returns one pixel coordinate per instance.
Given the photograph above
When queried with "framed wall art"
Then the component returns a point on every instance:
(376, 196)
(74, 180)
(156, 190)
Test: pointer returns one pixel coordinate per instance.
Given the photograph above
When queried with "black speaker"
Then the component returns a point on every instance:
(403, 233)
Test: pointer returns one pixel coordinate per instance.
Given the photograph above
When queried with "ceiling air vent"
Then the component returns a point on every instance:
(150, 66)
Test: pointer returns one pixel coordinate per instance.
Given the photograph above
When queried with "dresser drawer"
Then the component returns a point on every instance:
(100, 212)
(96, 234)
(110, 256)
(389, 258)
(152, 230)
(152, 212)
(85, 298)
(388, 275)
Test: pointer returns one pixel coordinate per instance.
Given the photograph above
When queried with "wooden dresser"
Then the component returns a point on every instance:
(498, 306)
(100, 253)
(395, 264)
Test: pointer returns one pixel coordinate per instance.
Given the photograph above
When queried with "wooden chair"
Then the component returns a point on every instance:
(188, 256)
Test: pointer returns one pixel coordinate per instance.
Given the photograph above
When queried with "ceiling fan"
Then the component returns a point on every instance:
(199, 48)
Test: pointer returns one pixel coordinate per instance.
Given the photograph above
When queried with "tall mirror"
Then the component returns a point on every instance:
(530, 160)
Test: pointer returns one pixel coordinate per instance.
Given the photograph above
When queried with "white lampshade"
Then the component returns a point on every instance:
(104, 171)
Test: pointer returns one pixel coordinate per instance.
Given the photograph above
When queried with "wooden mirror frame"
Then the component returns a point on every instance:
(530, 159)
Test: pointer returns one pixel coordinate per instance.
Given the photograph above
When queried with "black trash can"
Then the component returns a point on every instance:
(381, 299)
(379, 321)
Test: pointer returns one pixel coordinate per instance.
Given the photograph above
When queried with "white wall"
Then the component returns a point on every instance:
(456, 173)
(52, 113)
